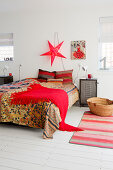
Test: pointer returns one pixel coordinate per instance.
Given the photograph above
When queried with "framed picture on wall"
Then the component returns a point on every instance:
(78, 50)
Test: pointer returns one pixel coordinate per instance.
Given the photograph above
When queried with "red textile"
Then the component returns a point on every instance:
(37, 93)
(1, 96)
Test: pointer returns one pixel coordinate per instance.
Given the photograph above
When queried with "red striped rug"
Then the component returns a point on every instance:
(98, 131)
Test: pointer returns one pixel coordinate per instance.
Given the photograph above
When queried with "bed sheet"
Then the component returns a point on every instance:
(45, 115)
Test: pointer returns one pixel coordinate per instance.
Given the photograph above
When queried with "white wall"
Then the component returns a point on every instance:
(33, 22)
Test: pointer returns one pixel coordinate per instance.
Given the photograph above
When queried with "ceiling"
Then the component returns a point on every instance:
(17, 5)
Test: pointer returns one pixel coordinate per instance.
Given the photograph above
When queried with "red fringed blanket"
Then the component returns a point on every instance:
(36, 93)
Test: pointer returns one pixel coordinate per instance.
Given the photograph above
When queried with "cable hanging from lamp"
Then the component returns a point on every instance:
(20, 71)
(84, 68)
(57, 39)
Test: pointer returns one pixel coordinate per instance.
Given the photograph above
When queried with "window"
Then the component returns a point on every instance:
(106, 43)
(6, 47)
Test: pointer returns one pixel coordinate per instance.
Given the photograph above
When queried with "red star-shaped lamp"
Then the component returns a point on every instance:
(54, 52)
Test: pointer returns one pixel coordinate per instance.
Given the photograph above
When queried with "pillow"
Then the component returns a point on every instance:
(65, 75)
(55, 81)
(42, 80)
(45, 74)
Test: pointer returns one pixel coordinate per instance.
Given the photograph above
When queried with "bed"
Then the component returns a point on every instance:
(45, 115)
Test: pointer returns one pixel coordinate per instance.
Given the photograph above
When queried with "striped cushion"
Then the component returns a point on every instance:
(42, 80)
(65, 75)
(45, 74)
(55, 81)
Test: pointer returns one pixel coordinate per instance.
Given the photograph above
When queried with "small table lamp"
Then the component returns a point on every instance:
(84, 68)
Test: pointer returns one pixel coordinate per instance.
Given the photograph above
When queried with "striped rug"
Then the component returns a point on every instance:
(98, 131)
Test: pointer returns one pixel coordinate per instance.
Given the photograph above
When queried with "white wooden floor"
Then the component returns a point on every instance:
(23, 148)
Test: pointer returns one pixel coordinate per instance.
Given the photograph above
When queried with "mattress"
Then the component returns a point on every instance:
(45, 115)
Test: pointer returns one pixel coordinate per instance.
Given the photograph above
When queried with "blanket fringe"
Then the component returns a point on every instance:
(16, 95)
(65, 127)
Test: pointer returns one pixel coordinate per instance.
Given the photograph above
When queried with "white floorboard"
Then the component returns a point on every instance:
(23, 148)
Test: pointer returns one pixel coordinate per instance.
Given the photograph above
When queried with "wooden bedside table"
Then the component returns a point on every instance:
(88, 89)
(6, 79)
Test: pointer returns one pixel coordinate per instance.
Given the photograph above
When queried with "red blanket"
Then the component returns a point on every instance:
(37, 93)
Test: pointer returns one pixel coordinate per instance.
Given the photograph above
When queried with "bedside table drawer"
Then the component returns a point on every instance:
(6, 79)
(1, 81)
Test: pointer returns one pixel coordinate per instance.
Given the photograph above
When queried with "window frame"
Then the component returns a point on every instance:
(8, 41)
(100, 45)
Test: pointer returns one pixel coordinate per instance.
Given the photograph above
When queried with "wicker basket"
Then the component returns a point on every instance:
(100, 106)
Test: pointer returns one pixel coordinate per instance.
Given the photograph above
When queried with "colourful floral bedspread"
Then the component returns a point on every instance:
(44, 115)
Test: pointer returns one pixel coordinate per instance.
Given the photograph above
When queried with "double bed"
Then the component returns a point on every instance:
(43, 114)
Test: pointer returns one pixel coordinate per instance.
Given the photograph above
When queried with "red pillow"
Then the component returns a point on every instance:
(42, 80)
(46, 74)
(65, 75)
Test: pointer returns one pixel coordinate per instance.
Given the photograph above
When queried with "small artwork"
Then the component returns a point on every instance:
(78, 50)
